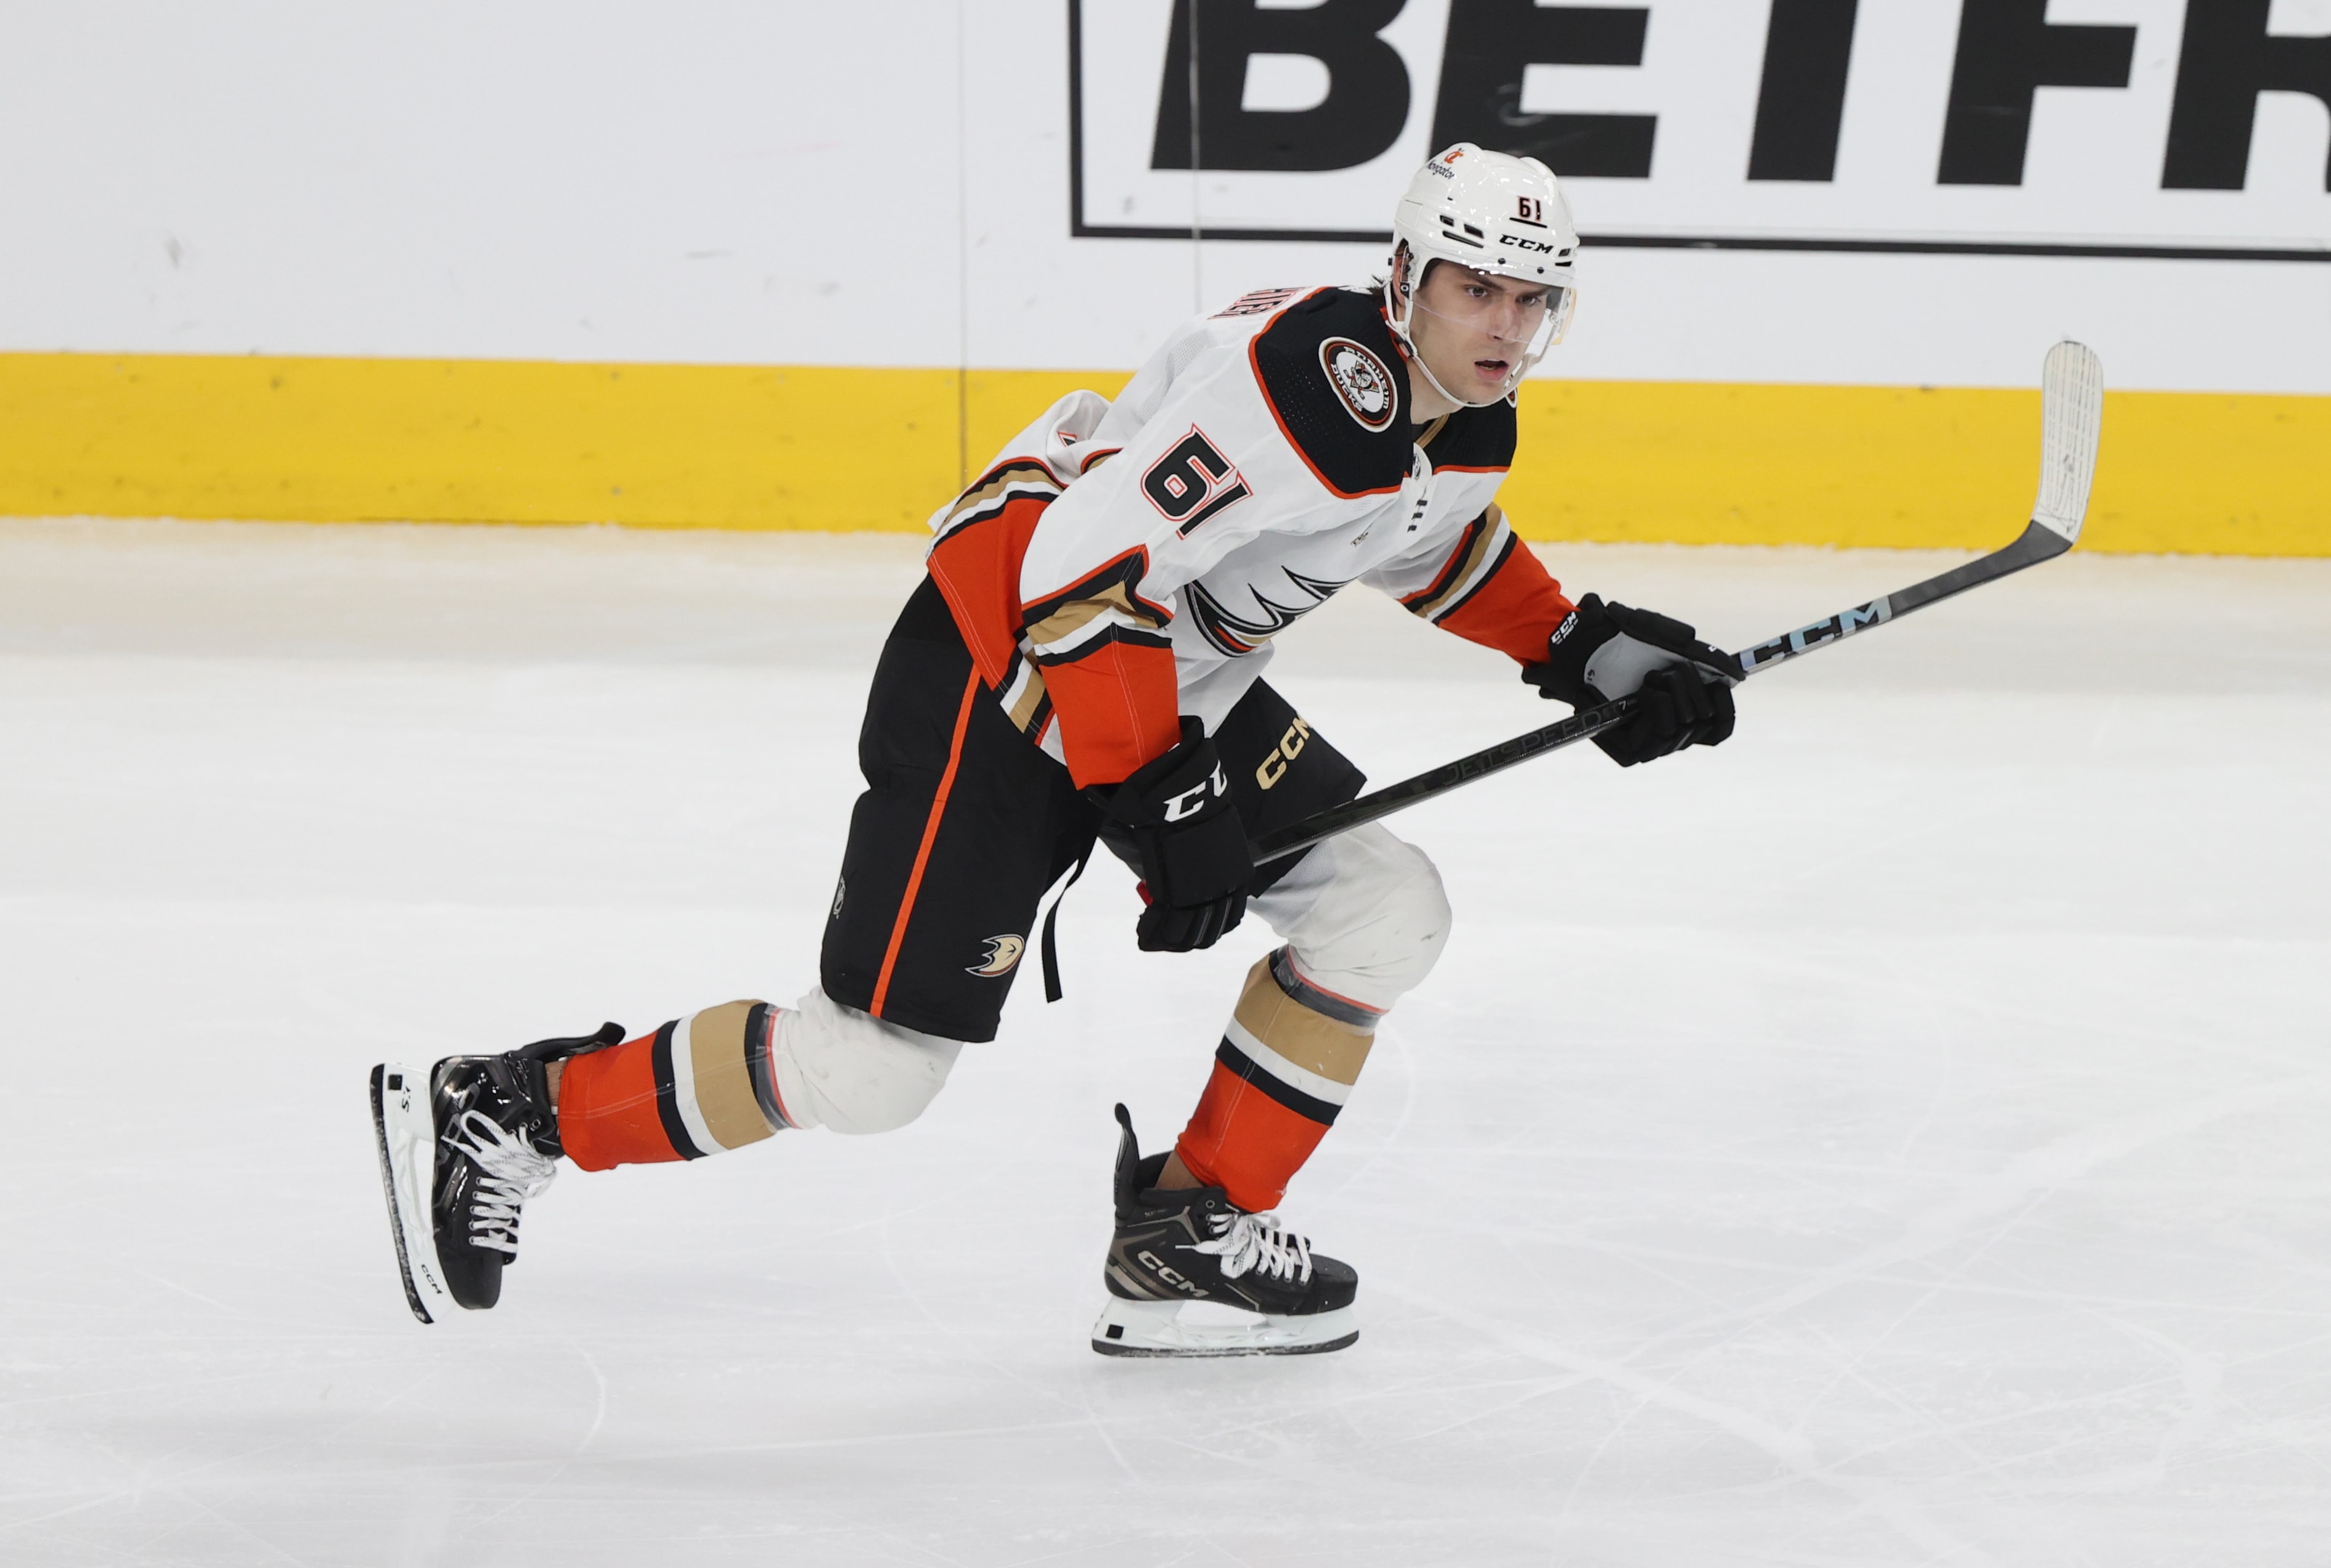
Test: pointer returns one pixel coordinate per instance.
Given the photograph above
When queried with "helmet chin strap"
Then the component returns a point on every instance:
(1398, 320)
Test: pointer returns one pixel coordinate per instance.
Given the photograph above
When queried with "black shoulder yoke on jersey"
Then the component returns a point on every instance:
(1333, 376)
(1474, 440)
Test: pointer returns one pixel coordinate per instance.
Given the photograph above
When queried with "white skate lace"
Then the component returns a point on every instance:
(1258, 1242)
(512, 1171)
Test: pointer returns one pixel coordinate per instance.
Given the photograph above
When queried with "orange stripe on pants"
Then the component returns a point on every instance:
(930, 837)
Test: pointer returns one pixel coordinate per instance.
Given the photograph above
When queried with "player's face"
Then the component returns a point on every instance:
(1475, 329)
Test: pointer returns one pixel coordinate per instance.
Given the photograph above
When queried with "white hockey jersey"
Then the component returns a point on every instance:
(1120, 565)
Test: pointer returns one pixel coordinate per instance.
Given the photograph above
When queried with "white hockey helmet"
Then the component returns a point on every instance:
(1488, 212)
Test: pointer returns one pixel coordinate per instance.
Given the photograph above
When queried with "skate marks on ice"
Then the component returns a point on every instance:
(1790, 1451)
(2013, 1349)
(1982, 1208)
(1971, 1212)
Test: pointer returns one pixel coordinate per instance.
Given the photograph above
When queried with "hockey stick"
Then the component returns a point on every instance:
(2071, 403)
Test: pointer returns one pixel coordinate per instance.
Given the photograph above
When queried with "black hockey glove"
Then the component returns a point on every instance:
(1602, 651)
(1195, 866)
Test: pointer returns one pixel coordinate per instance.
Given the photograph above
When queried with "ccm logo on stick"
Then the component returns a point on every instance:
(1805, 638)
(1192, 481)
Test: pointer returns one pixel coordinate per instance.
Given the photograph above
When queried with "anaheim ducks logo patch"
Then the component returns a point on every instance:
(1003, 952)
(1360, 380)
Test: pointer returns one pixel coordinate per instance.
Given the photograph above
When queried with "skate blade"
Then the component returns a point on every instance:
(1159, 1328)
(408, 1143)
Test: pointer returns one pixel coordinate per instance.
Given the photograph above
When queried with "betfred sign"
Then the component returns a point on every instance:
(2116, 128)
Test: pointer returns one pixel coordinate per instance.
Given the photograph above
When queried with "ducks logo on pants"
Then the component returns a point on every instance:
(1003, 952)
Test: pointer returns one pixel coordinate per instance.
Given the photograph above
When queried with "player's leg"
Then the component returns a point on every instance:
(963, 826)
(736, 1074)
(466, 1145)
(929, 927)
(1363, 917)
(462, 1147)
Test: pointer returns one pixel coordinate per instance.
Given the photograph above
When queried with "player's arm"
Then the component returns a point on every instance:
(1486, 585)
(1100, 643)
(1101, 648)
(1489, 588)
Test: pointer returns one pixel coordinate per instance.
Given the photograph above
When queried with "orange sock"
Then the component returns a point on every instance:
(698, 1086)
(1286, 1065)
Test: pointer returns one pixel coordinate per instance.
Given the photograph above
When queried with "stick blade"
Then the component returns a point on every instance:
(2071, 419)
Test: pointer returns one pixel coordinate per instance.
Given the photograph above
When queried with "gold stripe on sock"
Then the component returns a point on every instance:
(1311, 1040)
(724, 1084)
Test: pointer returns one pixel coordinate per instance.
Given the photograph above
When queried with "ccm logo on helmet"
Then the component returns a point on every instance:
(1361, 381)
(1524, 243)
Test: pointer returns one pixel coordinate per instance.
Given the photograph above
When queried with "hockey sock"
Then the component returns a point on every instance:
(698, 1086)
(1286, 1065)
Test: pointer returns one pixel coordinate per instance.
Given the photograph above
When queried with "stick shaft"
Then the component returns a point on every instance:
(2037, 543)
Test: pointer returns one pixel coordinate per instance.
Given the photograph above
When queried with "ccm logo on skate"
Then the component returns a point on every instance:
(1291, 745)
(1193, 482)
(1170, 1276)
(1003, 952)
(1804, 638)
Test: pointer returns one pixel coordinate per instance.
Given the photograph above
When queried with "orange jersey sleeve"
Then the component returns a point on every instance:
(1491, 588)
(1109, 670)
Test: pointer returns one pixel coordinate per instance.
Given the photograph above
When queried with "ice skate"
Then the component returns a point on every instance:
(1191, 1274)
(460, 1152)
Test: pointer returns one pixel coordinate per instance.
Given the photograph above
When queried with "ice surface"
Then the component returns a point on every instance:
(1898, 1137)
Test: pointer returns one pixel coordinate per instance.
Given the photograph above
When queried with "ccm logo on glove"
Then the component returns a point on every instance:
(1175, 819)
(1190, 801)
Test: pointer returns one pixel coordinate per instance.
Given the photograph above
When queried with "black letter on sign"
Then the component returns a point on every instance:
(1802, 101)
(2007, 51)
(1492, 41)
(2230, 59)
(1367, 87)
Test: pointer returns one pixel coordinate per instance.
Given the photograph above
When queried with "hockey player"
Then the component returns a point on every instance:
(1083, 661)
